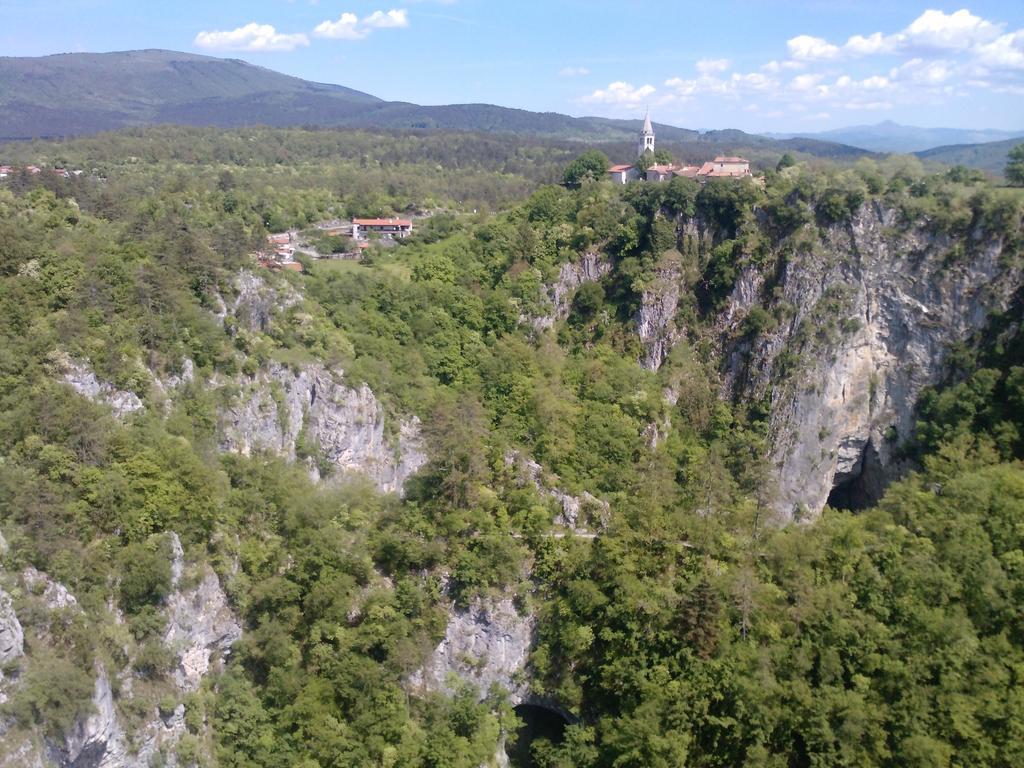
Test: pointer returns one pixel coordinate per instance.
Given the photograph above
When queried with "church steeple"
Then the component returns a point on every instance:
(646, 136)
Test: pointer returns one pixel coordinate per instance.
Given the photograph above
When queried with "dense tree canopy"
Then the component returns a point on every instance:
(685, 631)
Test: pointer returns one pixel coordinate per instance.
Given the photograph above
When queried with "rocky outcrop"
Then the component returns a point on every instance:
(656, 318)
(12, 641)
(80, 376)
(200, 631)
(484, 645)
(577, 513)
(589, 269)
(98, 740)
(12, 637)
(869, 316)
(309, 412)
(201, 627)
(256, 301)
(55, 596)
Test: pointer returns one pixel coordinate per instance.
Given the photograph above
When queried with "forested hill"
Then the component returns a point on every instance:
(83, 93)
(990, 156)
(517, 466)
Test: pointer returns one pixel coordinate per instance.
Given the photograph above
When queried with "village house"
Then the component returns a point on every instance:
(625, 173)
(388, 229)
(5, 171)
(721, 167)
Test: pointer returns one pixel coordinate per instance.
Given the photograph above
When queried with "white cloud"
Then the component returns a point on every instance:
(573, 71)
(709, 66)
(1005, 52)
(252, 37)
(778, 66)
(953, 31)
(858, 45)
(351, 27)
(804, 82)
(345, 28)
(620, 93)
(807, 48)
(922, 72)
(393, 19)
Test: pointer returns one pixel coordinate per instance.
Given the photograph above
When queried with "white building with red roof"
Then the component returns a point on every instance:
(388, 229)
(624, 173)
(725, 167)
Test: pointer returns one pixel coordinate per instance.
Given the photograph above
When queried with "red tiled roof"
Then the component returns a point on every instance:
(620, 168)
(382, 222)
(660, 168)
(725, 159)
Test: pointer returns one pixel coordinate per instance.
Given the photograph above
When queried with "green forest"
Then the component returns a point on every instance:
(691, 627)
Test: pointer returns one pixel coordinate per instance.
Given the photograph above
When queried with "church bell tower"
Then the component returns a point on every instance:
(646, 136)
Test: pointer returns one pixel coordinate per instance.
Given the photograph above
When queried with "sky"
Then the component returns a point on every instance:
(757, 65)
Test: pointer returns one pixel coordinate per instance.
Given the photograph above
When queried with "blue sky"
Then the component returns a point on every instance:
(760, 65)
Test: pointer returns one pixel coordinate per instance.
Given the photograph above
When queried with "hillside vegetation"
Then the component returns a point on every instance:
(676, 624)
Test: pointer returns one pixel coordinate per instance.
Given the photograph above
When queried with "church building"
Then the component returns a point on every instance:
(720, 167)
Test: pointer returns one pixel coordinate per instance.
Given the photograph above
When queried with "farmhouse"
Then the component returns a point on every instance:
(388, 229)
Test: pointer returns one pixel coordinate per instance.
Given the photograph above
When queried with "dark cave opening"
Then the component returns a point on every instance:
(539, 722)
(863, 486)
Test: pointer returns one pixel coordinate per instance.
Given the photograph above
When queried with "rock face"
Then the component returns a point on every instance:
(12, 638)
(310, 412)
(98, 740)
(656, 318)
(201, 629)
(874, 313)
(484, 645)
(577, 512)
(54, 594)
(589, 269)
(200, 623)
(83, 380)
(257, 301)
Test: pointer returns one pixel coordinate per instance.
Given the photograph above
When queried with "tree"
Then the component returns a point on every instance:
(1015, 167)
(786, 161)
(657, 157)
(592, 164)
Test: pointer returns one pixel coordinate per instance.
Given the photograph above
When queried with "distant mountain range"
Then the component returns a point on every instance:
(893, 137)
(990, 156)
(75, 94)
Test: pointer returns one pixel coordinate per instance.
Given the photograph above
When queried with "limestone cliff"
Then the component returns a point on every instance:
(201, 628)
(656, 318)
(868, 315)
(590, 268)
(486, 644)
(309, 412)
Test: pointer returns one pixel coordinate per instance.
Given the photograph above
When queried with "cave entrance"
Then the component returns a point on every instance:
(539, 722)
(862, 486)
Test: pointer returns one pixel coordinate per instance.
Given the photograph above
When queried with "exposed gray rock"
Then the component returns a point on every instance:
(656, 318)
(12, 638)
(200, 623)
(875, 310)
(80, 376)
(484, 645)
(576, 511)
(589, 269)
(257, 301)
(97, 741)
(173, 381)
(54, 594)
(282, 410)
